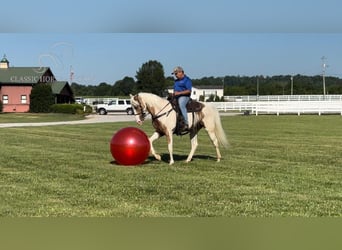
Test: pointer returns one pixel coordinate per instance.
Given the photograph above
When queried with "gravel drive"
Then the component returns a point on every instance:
(93, 118)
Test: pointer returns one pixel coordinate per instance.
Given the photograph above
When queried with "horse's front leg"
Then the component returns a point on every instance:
(154, 137)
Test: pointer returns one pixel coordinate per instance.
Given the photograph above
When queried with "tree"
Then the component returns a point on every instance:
(82, 90)
(123, 87)
(41, 98)
(103, 89)
(150, 78)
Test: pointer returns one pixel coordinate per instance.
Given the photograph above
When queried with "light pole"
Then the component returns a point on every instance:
(257, 88)
(291, 85)
(323, 74)
(222, 88)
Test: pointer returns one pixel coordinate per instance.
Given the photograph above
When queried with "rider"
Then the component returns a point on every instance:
(182, 91)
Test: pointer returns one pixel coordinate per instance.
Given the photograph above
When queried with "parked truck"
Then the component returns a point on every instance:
(115, 105)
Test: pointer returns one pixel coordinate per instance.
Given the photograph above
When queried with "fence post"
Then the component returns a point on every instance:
(256, 109)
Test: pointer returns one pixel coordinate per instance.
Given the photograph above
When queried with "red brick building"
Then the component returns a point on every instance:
(16, 84)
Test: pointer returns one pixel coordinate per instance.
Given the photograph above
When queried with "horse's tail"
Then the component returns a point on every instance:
(219, 132)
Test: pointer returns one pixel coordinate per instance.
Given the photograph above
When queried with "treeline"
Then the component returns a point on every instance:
(274, 85)
(150, 77)
(233, 85)
(282, 85)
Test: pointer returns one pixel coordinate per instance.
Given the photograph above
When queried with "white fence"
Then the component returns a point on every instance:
(97, 100)
(282, 104)
(282, 107)
(270, 98)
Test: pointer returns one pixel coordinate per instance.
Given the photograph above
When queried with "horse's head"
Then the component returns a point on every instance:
(139, 108)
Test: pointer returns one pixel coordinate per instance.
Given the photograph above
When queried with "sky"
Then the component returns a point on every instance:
(104, 41)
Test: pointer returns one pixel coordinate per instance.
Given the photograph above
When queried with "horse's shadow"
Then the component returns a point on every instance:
(177, 157)
(166, 158)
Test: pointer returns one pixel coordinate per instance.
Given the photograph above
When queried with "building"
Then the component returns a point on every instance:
(16, 84)
(204, 91)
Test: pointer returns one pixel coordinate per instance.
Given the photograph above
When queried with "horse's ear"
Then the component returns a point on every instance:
(130, 95)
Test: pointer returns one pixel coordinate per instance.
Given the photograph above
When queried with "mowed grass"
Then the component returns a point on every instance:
(39, 117)
(275, 166)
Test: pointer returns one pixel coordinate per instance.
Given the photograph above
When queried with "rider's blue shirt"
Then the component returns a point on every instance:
(183, 84)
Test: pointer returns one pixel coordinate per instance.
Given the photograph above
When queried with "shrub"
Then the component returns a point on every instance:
(41, 98)
(71, 108)
(88, 109)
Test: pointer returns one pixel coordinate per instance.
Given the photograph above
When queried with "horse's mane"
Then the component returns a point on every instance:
(153, 99)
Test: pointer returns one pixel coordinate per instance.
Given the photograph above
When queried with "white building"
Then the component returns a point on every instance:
(206, 91)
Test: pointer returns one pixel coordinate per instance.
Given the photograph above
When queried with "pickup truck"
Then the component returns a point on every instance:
(116, 105)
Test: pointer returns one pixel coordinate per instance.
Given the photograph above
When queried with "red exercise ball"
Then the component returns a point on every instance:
(130, 146)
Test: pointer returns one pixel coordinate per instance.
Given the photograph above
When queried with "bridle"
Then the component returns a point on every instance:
(142, 112)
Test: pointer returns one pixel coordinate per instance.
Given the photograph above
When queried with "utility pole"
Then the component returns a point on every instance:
(291, 85)
(71, 74)
(323, 73)
(222, 88)
(258, 88)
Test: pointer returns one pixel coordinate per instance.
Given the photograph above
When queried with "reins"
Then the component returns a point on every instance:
(165, 113)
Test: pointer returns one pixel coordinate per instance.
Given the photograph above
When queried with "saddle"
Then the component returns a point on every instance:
(192, 106)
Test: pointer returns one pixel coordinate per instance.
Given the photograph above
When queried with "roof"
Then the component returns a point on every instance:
(4, 60)
(208, 86)
(23, 75)
(204, 87)
(57, 87)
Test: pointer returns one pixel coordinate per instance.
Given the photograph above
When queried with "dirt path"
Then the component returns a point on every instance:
(93, 118)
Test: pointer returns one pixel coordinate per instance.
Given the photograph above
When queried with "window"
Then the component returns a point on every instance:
(23, 99)
(5, 99)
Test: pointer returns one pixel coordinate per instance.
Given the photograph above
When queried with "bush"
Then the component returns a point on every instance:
(41, 98)
(88, 109)
(71, 108)
(1, 106)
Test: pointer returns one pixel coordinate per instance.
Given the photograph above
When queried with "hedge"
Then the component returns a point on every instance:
(71, 108)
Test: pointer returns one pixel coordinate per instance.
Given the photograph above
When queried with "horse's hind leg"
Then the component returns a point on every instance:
(170, 147)
(154, 137)
(194, 144)
(215, 142)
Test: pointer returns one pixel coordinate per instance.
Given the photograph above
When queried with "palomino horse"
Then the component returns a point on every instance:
(164, 119)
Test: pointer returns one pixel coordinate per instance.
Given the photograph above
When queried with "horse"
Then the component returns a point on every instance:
(164, 121)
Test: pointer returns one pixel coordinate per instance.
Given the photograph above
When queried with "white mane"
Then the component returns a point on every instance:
(153, 100)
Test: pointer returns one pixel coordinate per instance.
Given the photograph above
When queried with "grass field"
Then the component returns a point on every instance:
(41, 117)
(276, 166)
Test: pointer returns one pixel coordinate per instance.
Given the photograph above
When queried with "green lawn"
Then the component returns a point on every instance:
(32, 117)
(276, 166)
